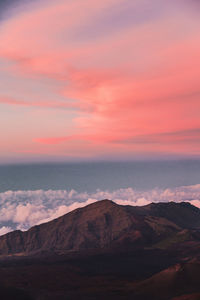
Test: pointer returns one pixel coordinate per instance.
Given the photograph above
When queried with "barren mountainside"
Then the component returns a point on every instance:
(106, 251)
(105, 224)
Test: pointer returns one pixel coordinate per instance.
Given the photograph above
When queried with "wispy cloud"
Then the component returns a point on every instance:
(128, 67)
(181, 136)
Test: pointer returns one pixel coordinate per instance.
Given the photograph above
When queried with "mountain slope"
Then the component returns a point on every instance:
(182, 214)
(105, 224)
(180, 279)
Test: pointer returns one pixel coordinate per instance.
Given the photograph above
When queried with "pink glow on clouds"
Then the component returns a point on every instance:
(133, 88)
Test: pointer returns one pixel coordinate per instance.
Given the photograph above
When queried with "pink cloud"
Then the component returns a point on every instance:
(52, 140)
(141, 81)
(45, 104)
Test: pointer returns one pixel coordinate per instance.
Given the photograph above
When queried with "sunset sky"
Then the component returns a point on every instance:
(109, 79)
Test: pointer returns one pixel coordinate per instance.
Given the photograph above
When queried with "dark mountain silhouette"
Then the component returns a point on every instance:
(182, 214)
(106, 251)
(105, 224)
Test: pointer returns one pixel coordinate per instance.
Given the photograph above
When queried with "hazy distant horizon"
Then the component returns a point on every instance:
(113, 174)
(60, 160)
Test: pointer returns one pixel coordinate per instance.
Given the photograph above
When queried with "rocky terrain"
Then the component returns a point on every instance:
(105, 224)
(109, 251)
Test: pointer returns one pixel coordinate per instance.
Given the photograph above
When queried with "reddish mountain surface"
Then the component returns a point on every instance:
(106, 251)
(105, 224)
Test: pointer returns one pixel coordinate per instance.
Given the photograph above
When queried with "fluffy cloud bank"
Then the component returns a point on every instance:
(23, 209)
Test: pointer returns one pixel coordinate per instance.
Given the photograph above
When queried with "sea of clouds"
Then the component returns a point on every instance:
(23, 209)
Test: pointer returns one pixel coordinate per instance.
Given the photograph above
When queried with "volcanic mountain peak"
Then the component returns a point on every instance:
(149, 252)
(105, 224)
(98, 206)
(102, 203)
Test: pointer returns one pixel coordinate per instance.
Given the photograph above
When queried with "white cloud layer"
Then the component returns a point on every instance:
(5, 229)
(23, 209)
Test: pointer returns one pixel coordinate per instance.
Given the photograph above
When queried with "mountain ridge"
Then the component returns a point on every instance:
(106, 251)
(105, 224)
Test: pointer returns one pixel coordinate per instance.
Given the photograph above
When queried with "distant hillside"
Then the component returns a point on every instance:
(181, 279)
